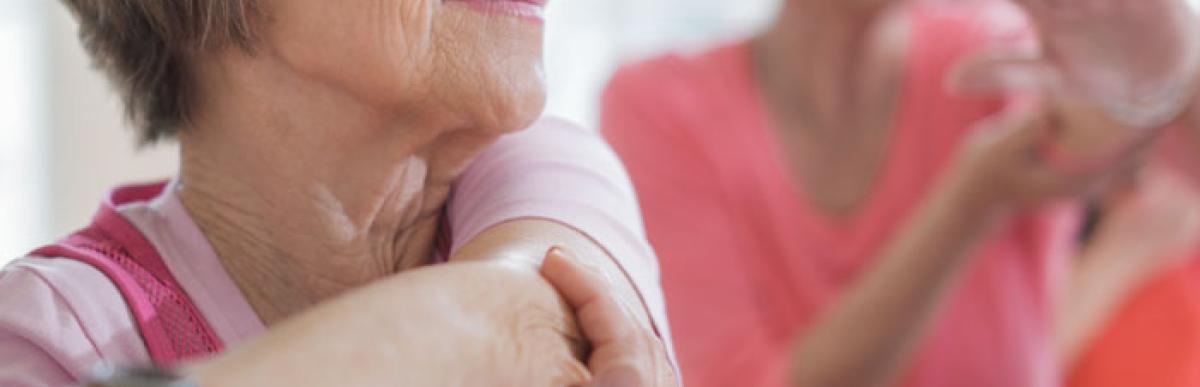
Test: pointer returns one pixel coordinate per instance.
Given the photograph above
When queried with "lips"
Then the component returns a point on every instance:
(540, 3)
(531, 10)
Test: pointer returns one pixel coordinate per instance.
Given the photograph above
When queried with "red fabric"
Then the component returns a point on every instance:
(172, 327)
(747, 264)
(1152, 341)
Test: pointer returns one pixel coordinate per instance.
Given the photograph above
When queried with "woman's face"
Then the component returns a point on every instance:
(474, 62)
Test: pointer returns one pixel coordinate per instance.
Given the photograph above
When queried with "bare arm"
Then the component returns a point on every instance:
(426, 326)
(526, 241)
(423, 327)
(867, 336)
(864, 338)
(1146, 229)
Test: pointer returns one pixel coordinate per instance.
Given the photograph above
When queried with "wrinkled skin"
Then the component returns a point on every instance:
(441, 58)
(319, 163)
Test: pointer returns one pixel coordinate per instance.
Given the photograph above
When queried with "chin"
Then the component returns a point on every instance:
(525, 111)
(511, 103)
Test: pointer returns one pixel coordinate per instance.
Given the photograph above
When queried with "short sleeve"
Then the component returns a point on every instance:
(24, 363)
(561, 172)
(59, 319)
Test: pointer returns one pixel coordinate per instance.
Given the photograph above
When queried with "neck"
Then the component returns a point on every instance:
(304, 192)
(822, 54)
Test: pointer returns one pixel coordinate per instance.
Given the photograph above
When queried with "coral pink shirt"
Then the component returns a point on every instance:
(59, 318)
(1153, 339)
(747, 264)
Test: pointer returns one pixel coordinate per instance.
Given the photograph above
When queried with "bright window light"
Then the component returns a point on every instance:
(23, 177)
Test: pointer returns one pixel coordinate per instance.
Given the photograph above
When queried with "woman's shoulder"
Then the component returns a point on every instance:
(680, 98)
(676, 71)
(65, 312)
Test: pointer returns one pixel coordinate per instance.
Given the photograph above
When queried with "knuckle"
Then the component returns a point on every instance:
(540, 330)
(572, 373)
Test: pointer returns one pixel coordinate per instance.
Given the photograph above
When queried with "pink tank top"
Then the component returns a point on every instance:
(170, 324)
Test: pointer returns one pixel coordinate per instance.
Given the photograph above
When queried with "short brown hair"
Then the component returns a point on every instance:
(145, 46)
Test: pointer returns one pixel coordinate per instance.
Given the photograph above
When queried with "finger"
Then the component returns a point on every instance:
(1127, 154)
(1020, 128)
(1053, 182)
(1003, 71)
(618, 377)
(585, 291)
(620, 356)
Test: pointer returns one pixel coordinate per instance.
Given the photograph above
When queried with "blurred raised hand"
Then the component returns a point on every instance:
(1137, 59)
(1116, 71)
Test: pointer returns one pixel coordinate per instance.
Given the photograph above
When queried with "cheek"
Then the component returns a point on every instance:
(489, 68)
(370, 47)
(448, 61)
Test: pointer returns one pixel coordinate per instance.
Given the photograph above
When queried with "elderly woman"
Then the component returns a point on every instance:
(865, 225)
(326, 146)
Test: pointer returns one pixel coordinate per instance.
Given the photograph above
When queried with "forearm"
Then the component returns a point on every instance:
(865, 337)
(316, 347)
(463, 324)
(1098, 285)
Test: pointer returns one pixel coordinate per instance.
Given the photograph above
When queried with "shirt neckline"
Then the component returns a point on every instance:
(190, 257)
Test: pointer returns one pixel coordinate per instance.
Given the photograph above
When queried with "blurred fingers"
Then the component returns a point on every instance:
(1003, 71)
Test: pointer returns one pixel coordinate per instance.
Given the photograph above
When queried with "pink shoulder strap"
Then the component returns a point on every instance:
(172, 327)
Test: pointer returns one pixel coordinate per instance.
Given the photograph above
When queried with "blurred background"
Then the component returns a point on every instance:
(64, 142)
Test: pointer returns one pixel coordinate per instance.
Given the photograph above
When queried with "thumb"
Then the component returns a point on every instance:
(618, 376)
(618, 354)
(995, 71)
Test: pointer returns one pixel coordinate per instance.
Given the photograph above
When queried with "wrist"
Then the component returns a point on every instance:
(970, 195)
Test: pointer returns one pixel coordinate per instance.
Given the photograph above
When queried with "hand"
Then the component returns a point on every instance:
(1139, 59)
(623, 354)
(1003, 164)
(604, 302)
(459, 324)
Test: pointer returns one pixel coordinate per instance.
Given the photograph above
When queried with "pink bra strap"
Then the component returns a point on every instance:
(172, 327)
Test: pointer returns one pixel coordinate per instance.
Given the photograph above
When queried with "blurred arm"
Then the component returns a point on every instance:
(865, 338)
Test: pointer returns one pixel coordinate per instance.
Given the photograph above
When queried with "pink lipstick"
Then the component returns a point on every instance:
(532, 10)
